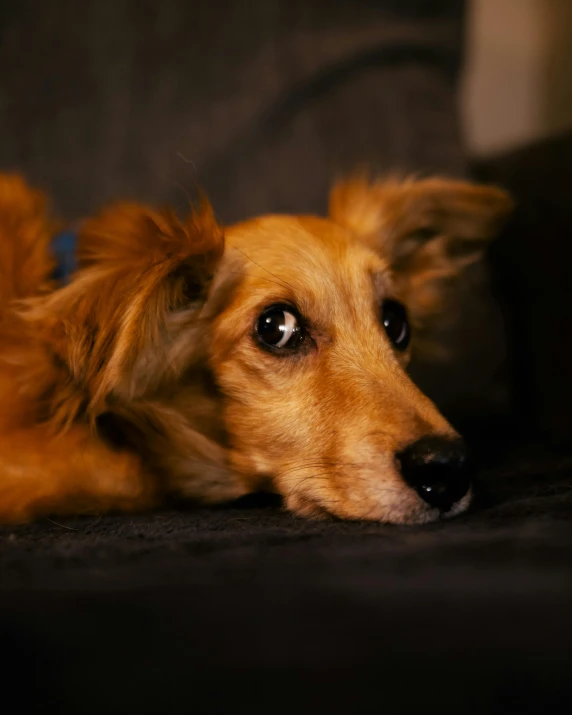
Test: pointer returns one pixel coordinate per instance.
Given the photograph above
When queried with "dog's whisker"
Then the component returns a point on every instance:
(249, 275)
(258, 264)
(308, 465)
(299, 484)
(300, 481)
(327, 477)
(323, 462)
(356, 476)
(378, 432)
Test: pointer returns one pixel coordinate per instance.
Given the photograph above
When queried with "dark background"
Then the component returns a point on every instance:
(248, 608)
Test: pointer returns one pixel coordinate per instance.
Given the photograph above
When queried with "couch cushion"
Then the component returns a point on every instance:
(260, 103)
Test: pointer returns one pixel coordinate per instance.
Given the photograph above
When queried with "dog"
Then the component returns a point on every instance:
(187, 361)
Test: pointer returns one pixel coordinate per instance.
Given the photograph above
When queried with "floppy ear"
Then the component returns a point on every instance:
(143, 278)
(429, 231)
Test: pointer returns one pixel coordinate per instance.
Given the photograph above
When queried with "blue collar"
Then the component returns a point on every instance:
(64, 247)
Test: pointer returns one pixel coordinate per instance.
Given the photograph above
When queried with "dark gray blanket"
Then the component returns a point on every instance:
(252, 610)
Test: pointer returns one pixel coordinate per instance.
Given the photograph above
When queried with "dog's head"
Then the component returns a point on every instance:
(311, 353)
(282, 358)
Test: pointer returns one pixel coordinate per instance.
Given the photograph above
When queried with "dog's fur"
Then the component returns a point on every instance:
(142, 379)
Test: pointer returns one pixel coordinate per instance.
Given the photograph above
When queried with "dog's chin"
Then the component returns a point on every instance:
(409, 510)
(426, 514)
(458, 507)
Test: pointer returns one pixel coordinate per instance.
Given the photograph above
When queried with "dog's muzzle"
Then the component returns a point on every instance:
(436, 467)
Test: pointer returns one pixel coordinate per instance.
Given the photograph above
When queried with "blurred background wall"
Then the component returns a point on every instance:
(518, 75)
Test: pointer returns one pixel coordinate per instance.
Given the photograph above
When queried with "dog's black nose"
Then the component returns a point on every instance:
(436, 468)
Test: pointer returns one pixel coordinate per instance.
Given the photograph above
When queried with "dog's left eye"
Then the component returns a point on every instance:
(279, 328)
(394, 319)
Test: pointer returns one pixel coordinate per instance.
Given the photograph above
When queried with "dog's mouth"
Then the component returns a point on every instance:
(459, 507)
(406, 511)
(420, 512)
(426, 482)
(399, 504)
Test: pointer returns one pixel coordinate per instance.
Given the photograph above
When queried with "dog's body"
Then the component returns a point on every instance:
(179, 362)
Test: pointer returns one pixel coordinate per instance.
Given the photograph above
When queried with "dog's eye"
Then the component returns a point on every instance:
(279, 328)
(394, 319)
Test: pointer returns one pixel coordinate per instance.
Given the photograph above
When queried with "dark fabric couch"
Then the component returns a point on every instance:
(113, 98)
(247, 608)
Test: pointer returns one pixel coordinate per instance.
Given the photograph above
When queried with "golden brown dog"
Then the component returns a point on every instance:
(182, 361)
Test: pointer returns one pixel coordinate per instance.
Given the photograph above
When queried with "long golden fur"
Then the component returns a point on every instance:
(144, 378)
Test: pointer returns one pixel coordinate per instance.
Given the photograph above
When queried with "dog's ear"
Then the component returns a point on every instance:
(26, 229)
(428, 230)
(143, 277)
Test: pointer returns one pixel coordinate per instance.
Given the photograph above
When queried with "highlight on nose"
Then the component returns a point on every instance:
(436, 468)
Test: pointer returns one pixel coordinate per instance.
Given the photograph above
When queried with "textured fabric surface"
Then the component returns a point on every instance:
(253, 610)
(255, 101)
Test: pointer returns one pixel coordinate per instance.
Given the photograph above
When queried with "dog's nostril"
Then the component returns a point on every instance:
(436, 468)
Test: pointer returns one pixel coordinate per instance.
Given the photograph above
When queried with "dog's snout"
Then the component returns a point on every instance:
(436, 468)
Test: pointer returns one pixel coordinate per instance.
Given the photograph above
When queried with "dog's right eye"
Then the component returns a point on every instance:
(278, 327)
(394, 319)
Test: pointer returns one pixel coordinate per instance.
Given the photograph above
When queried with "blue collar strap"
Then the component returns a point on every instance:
(64, 247)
